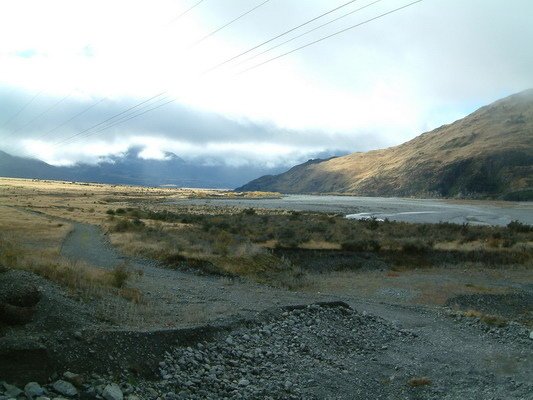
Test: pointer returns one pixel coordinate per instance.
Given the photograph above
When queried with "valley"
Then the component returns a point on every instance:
(141, 288)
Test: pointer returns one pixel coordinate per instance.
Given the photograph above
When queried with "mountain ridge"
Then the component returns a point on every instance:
(488, 153)
(130, 169)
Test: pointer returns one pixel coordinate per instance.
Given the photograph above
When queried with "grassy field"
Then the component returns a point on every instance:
(284, 247)
(36, 216)
(313, 252)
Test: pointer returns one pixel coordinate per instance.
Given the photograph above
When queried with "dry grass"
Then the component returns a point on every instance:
(78, 277)
(320, 245)
(246, 243)
(391, 170)
(88, 202)
(493, 320)
(429, 286)
(419, 381)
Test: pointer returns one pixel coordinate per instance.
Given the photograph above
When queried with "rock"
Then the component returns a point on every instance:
(244, 382)
(75, 379)
(531, 335)
(11, 391)
(65, 388)
(89, 394)
(112, 392)
(33, 389)
(126, 388)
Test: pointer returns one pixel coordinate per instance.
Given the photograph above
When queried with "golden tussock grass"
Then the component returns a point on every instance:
(320, 245)
(77, 277)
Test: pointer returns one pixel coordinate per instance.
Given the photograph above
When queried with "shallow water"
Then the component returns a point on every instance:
(398, 209)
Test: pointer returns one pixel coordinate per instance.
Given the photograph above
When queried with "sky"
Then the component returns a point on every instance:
(68, 66)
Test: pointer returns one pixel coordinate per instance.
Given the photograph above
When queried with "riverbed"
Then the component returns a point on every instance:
(397, 209)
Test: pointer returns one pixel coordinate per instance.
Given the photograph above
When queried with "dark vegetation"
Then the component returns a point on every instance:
(484, 176)
(278, 248)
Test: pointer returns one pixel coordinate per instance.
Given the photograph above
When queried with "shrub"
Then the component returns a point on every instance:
(175, 259)
(125, 225)
(110, 212)
(119, 276)
(488, 319)
(416, 246)
(519, 227)
(361, 245)
(372, 223)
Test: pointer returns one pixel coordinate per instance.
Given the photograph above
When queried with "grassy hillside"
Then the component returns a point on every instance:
(486, 154)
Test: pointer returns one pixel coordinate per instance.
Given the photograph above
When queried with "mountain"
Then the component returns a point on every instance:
(130, 169)
(488, 154)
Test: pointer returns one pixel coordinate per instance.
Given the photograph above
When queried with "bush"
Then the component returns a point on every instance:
(125, 225)
(416, 246)
(519, 227)
(361, 245)
(372, 223)
(119, 276)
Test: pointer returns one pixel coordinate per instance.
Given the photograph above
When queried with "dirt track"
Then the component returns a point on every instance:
(462, 357)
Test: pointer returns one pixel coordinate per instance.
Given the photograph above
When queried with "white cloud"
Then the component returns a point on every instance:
(379, 84)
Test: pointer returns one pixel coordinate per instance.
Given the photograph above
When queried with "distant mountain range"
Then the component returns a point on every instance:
(133, 170)
(488, 154)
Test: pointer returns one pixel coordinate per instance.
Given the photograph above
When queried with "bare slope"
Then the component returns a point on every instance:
(486, 154)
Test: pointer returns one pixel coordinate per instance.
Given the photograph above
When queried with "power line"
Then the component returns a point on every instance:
(95, 104)
(307, 32)
(41, 114)
(120, 122)
(329, 36)
(137, 114)
(231, 22)
(277, 37)
(184, 12)
(115, 116)
(73, 117)
(21, 109)
(282, 55)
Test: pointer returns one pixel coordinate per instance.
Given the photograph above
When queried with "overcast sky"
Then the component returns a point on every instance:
(377, 85)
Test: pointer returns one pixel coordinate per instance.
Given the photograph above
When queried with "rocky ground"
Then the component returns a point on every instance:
(324, 351)
(259, 348)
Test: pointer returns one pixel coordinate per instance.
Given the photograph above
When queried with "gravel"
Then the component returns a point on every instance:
(325, 351)
(277, 359)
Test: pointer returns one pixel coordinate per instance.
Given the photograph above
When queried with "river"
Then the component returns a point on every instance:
(398, 209)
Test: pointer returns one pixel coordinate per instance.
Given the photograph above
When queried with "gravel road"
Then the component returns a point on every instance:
(175, 298)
